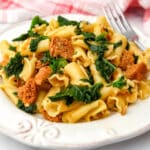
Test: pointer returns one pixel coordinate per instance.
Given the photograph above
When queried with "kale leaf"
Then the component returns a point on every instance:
(15, 93)
(101, 38)
(85, 80)
(102, 65)
(14, 66)
(56, 64)
(28, 109)
(136, 57)
(12, 48)
(35, 21)
(101, 45)
(90, 77)
(99, 49)
(120, 83)
(128, 46)
(46, 57)
(78, 93)
(89, 36)
(34, 42)
(22, 37)
(65, 22)
(117, 44)
(105, 68)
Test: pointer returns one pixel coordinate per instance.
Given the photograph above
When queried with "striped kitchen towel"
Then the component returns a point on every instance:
(12, 11)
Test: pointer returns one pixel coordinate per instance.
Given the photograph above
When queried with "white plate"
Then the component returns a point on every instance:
(37, 132)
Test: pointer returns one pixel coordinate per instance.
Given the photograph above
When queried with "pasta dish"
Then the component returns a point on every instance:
(73, 71)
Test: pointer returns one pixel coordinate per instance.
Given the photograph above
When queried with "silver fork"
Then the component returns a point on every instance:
(118, 21)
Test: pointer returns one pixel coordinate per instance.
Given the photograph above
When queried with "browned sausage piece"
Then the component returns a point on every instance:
(39, 64)
(61, 47)
(19, 82)
(39, 55)
(28, 92)
(42, 75)
(127, 59)
(58, 118)
(45, 86)
(136, 71)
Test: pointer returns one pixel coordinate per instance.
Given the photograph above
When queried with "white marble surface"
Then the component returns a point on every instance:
(138, 143)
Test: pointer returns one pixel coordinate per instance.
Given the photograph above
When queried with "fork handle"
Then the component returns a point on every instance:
(139, 44)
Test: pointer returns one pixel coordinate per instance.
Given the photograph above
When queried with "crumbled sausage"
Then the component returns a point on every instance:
(58, 118)
(127, 59)
(39, 64)
(28, 92)
(42, 75)
(136, 71)
(61, 47)
(45, 86)
(19, 82)
(39, 55)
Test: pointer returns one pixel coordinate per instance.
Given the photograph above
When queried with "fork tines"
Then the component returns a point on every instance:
(118, 21)
(116, 17)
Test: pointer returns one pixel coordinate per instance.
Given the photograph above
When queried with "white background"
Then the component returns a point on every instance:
(139, 143)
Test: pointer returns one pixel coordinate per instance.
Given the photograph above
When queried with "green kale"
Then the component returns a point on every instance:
(15, 93)
(22, 37)
(28, 109)
(136, 57)
(105, 68)
(90, 79)
(65, 22)
(34, 42)
(120, 83)
(12, 48)
(130, 89)
(56, 64)
(78, 93)
(89, 36)
(15, 66)
(37, 21)
(46, 57)
(33, 34)
(85, 80)
(99, 49)
(128, 46)
(101, 45)
(117, 44)
(78, 30)
(101, 38)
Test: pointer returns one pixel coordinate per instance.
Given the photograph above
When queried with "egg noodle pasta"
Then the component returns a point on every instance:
(73, 71)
